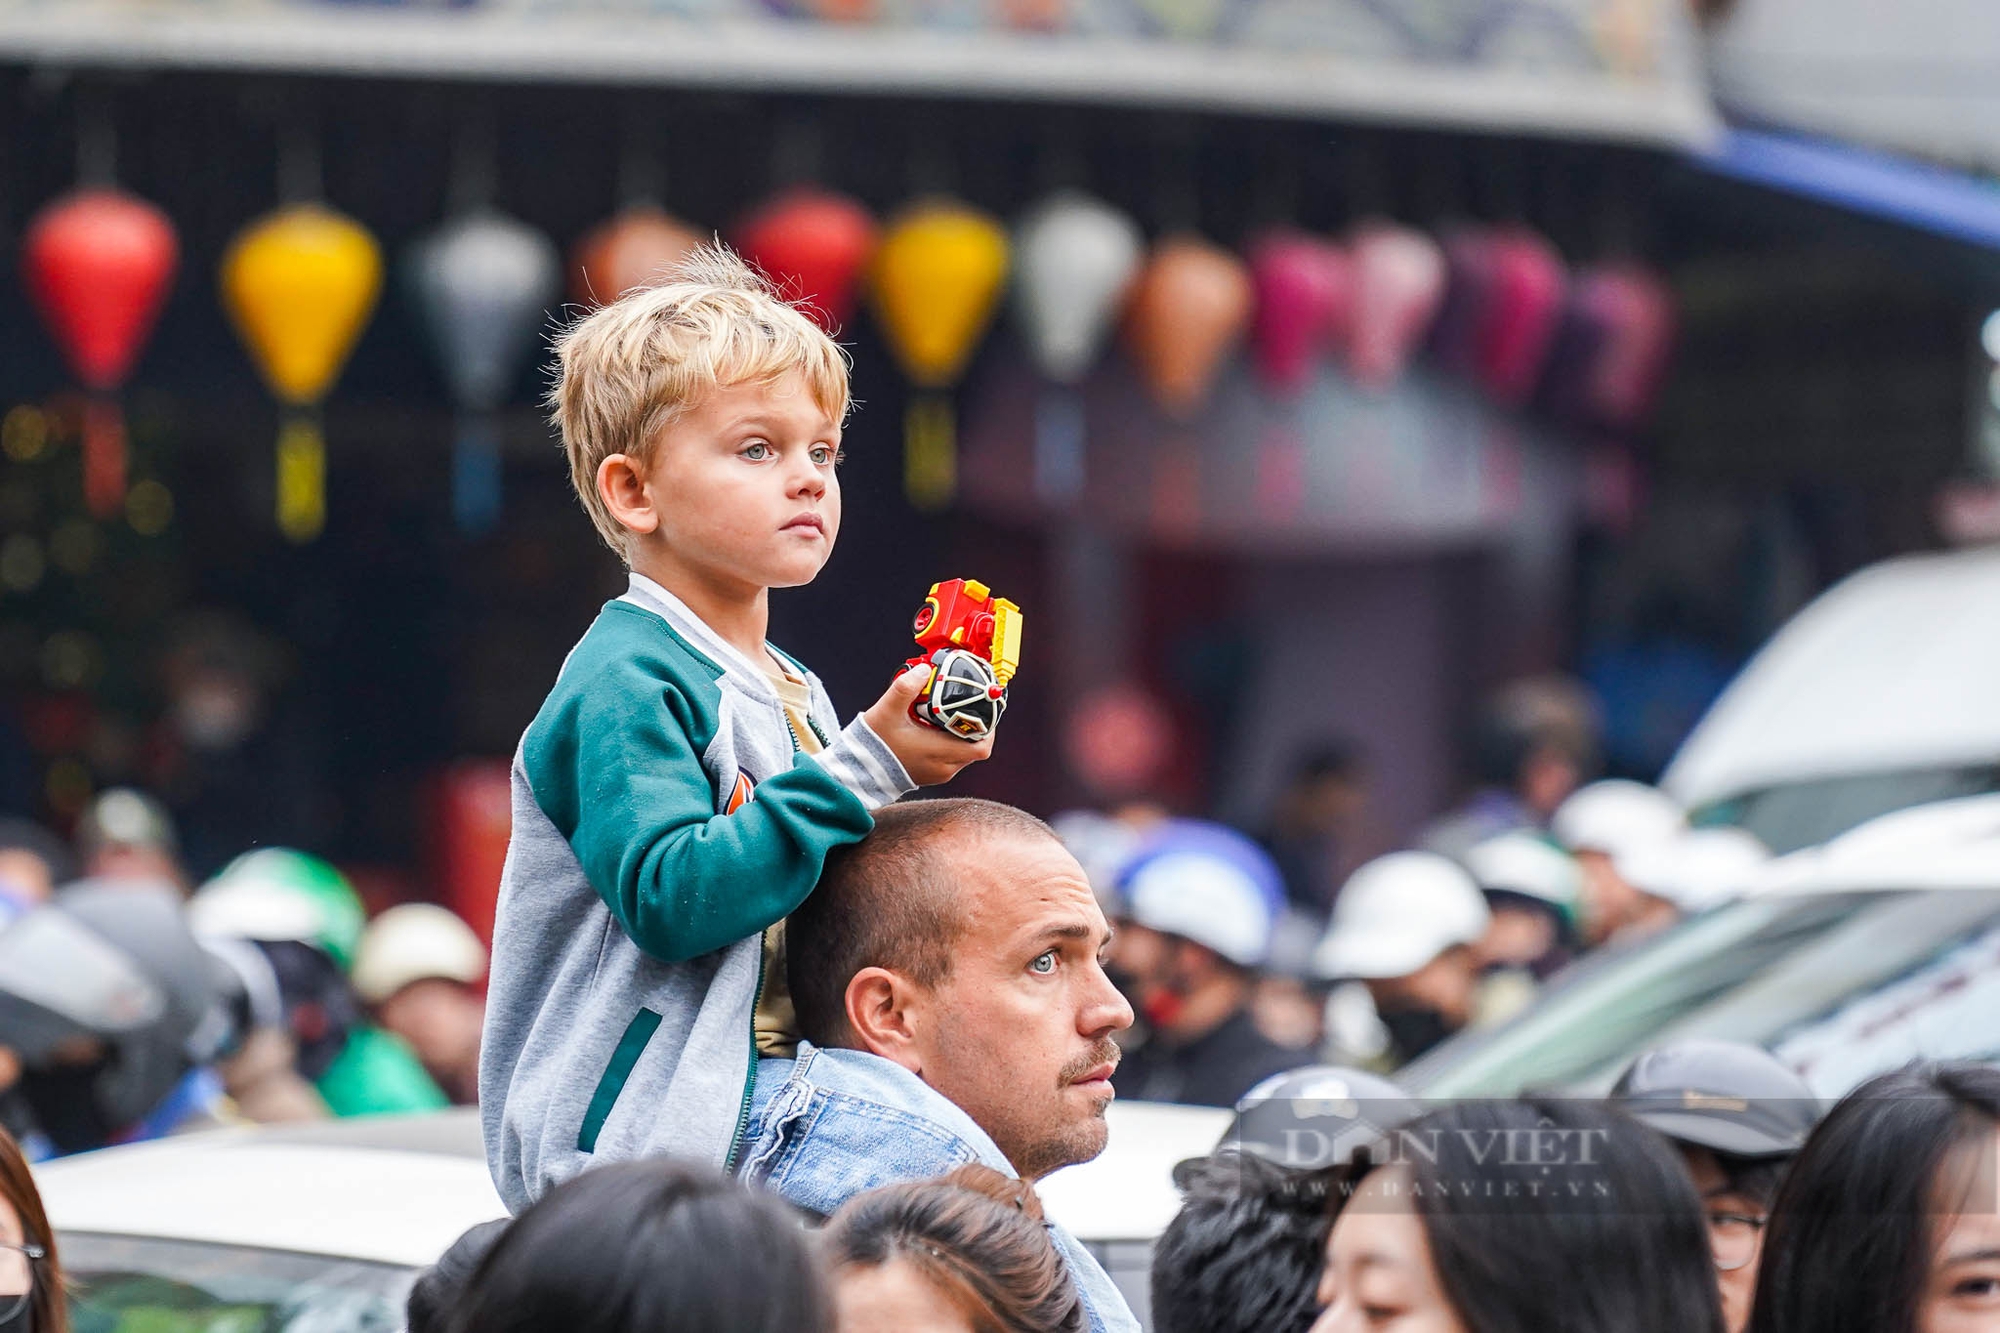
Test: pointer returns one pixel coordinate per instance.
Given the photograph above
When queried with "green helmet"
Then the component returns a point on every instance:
(275, 893)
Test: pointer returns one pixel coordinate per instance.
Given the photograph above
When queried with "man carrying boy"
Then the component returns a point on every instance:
(678, 791)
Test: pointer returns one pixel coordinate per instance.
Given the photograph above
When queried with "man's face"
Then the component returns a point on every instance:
(744, 487)
(441, 1020)
(1019, 1035)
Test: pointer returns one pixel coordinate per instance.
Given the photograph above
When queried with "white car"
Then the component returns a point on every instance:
(321, 1228)
(1844, 961)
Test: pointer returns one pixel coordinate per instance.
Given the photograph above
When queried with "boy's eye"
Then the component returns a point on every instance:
(1044, 965)
(825, 455)
(756, 450)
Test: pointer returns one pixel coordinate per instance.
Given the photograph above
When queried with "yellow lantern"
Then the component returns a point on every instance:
(299, 285)
(937, 277)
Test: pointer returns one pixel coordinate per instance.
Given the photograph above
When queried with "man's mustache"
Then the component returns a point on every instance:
(1104, 1053)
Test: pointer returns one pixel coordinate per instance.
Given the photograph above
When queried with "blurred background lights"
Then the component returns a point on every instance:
(71, 660)
(24, 433)
(1989, 335)
(149, 508)
(21, 563)
(74, 547)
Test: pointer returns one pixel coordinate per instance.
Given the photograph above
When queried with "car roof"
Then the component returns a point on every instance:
(399, 1189)
(1890, 670)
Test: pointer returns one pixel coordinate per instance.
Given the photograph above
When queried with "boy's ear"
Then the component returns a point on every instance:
(879, 1015)
(621, 485)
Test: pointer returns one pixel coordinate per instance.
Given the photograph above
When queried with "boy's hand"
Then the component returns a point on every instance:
(928, 755)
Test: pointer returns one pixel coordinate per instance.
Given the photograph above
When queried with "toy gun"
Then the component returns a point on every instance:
(972, 644)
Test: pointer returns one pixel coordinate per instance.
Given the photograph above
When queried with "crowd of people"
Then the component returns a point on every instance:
(264, 993)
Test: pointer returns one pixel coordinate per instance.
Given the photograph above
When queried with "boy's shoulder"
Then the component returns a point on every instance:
(629, 649)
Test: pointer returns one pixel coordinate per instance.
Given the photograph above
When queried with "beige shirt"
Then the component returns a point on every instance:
(777, 1021)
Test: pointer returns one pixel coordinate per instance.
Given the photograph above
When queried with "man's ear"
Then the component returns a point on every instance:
(880, 1014)
(621, 485)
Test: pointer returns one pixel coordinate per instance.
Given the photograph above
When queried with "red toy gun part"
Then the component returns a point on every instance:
(972, 643)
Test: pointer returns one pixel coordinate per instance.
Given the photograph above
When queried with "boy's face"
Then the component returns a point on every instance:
(744, 489)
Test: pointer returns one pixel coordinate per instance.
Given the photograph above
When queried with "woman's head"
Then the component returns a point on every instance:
(649, 1247)
(1521, 1217)
(1889, 1221)
(964, 1254)
(28, 1265)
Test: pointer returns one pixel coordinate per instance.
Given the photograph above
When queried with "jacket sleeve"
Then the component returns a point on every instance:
(621, 777)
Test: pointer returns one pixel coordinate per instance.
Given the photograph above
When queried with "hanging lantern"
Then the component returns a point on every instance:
(1518, 322)
(299, 284)
(631, 249)
(1399, 279)
(1188, 310)
(1612, 354)
(484, 283)
(814, 245)
(1305, 290)
(1074, 262)
(98, 264)
(936, 279)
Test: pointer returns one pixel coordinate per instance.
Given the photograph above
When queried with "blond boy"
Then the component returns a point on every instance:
(676, 795)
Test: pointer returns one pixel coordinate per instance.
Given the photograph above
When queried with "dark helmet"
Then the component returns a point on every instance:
(1726, 1096)
(110, 968)
(1317, 1116)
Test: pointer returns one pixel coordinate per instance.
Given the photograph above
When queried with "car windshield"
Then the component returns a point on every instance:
(123, 1283)
(1805, 814)
(1841, 985)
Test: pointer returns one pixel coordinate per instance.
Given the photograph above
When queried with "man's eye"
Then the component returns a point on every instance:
(1038, 966)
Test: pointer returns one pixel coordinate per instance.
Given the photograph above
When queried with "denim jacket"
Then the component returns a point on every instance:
(832, 1123)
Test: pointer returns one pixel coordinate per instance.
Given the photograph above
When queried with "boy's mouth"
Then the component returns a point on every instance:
(806, 522)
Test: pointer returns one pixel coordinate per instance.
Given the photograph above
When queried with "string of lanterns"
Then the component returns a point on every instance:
(1496, 306)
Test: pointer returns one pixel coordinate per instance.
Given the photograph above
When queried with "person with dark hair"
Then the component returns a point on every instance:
(1313, 822)
(965, 1254)
(1888, 1221)
(33, 1298)
(659, 1246)
(1533, 742)
(947, 978)
(1212, 899)
(1531, 1216)
(1244, 1253)
(440, 1289)
(1737, 1117)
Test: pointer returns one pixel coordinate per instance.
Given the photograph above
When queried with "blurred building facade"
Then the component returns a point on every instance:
(1270, 564)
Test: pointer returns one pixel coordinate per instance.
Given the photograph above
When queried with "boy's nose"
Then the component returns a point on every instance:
(808, 482)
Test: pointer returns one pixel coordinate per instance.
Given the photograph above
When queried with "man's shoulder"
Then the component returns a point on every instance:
(832, 1124)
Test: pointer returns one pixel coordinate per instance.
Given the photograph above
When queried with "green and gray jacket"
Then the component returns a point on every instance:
(627, 949)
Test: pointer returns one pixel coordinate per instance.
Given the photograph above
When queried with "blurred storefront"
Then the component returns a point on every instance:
(1336, 488)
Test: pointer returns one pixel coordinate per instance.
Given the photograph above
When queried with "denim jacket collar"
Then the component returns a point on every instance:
(833, 1123)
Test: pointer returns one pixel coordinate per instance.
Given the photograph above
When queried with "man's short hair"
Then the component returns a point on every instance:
(1244, 1253)
(891, 900)
(629, 370)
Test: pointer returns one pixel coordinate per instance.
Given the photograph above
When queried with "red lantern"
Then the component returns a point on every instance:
(814, 245)
(98, 264)
(1305, 289)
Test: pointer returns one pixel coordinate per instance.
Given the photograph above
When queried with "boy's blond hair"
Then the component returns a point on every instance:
(627, 371)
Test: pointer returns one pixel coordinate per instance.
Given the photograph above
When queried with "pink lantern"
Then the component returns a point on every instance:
(629, 250)
(1398, 281)
(1612, 355)
(1305, 291)
(1518, 325)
